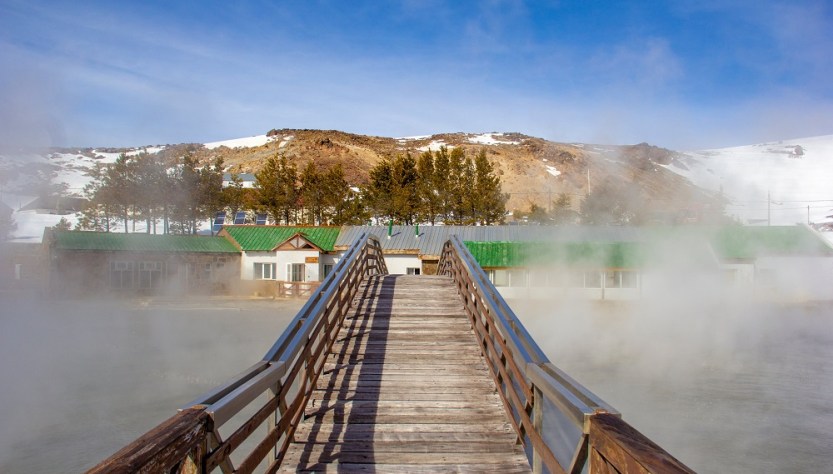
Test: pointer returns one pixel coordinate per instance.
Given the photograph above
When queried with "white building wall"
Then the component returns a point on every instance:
(286, 257)
(248, 259)
(399, 264)
(537, 284)
(794, 278)
(281, 259)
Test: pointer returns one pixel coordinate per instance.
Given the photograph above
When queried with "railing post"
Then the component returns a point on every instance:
(538, 426)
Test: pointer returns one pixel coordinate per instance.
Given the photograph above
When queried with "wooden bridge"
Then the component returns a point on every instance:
(394, 373)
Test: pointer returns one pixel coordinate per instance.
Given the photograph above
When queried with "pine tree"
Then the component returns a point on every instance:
(429, 200)
(404, 192)
(338, 197)
(392, 192)
(456, 190)
(491, 201)
(277, 187)
(441, 183)
(312, 194)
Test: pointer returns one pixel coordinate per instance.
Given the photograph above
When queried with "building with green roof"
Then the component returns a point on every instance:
(293, 254)
(95, 262)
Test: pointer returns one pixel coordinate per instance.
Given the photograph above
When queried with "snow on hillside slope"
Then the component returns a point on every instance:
(794, 173)
(246, 142)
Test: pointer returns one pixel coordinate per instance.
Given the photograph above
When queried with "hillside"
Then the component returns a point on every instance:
(532, 170)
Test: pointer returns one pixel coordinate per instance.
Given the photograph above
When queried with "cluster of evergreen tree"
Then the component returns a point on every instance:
(144, 188)
(314, 197)
(441, 186)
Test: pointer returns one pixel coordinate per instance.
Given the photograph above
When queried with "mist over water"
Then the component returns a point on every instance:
(81, 379)
(725, 384)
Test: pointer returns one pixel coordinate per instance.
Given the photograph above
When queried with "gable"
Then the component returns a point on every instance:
(297, 242)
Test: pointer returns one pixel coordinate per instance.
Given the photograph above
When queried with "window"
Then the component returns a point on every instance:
(206, 272)
(620, 279)
(295, 271)
(150, 274)
(328, 268)
(629, 279)
(121, 275)
(412, 271)
(264, 271)
(592, 279)
(500, 277)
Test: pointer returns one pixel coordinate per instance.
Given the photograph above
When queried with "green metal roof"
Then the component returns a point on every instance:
(120, 242)
(527, 254)
(742, 243)
(265, 238)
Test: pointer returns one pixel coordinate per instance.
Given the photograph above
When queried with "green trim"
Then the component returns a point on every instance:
(746, 243)
(120, 242)
(266, 238)
(530, 254)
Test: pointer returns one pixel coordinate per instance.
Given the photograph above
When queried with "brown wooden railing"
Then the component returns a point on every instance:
(296, 289)
(269, 395)
(562, 425)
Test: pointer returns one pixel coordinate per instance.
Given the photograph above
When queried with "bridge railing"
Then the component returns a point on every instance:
(563, 427)
(268, 396)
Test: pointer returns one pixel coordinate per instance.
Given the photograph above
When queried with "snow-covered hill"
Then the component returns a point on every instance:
(784, 182)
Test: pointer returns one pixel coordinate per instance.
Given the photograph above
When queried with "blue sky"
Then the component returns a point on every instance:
(679, 74)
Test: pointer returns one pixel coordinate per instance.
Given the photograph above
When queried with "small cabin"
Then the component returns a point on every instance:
(291, 254)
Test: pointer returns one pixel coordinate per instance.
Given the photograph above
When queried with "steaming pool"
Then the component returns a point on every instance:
(748, 392)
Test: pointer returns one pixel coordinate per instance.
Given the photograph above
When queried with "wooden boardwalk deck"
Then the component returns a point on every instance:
(406, 390)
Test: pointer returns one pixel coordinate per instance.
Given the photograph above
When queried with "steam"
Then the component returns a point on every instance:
(83, 378)
(716, 375)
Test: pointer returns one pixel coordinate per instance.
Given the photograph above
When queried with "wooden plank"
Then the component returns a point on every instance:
(304, 459)
(457, 417)
(493, 446)
(355, 468)
(395, 393)
(405, 368)
(418, 433)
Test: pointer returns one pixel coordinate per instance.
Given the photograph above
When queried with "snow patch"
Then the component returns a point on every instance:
(30, 225)
(415, 137)
(553, 171)
(285, 141)
(248, 142)
(435, 145)
(489, 139)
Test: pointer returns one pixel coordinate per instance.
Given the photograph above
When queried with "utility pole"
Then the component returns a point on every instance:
(588, 180)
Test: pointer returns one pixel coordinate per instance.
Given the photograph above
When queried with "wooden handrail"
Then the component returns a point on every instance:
(190, 441)
(528, 384)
